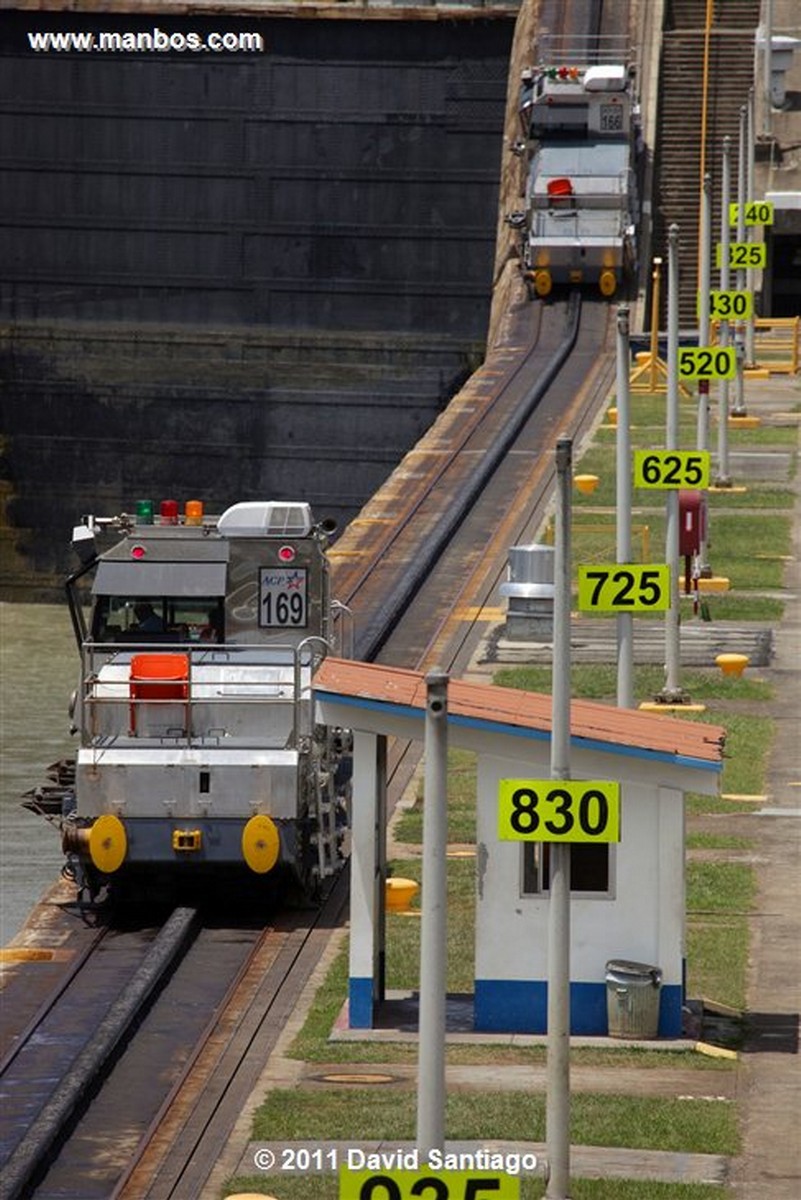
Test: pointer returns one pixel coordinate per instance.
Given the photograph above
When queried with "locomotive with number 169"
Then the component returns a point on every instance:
(199, 752)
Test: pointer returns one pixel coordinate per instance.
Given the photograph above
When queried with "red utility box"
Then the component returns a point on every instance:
(692, 522)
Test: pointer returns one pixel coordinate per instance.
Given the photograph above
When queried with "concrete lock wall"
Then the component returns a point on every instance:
(215, 266)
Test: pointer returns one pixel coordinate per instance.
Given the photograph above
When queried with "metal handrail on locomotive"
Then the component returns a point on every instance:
(581, 134)
(199, 753)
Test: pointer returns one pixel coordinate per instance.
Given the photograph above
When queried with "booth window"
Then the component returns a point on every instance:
(590, 868)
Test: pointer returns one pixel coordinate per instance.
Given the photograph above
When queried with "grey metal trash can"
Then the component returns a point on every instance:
(632, 999)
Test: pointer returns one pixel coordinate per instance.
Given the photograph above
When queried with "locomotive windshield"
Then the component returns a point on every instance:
(158, 619)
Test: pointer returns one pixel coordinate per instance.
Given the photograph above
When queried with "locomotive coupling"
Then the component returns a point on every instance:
(261, 844)
(543, 283)
(607, 283)
(104, 842)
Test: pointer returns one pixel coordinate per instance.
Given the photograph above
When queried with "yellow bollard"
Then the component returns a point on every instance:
(400, 893)
(611, 415)
(713, 583)
(732, 664)
(586, 484)
(250, 1196)
(744, 422)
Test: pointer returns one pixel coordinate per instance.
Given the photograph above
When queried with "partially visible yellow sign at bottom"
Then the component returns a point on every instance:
(429, 1185)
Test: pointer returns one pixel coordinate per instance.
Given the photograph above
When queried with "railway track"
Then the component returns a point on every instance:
(429, 577)
(129, 1082)
(451, 467)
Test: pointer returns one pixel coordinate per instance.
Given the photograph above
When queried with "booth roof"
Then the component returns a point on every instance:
(499, 706)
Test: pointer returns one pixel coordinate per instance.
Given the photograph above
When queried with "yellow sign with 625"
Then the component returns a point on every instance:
(668, 469)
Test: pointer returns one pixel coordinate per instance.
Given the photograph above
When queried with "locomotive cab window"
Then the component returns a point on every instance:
(158, 619)
(591, 869)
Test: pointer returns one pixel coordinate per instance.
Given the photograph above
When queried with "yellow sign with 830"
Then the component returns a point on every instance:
(545, 810)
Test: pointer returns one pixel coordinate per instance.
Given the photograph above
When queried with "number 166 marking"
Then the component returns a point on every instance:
(634, 587)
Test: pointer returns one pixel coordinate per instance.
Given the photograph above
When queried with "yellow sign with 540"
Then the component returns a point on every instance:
(757, 212)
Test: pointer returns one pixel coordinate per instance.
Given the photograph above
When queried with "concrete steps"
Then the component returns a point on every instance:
(678, 150)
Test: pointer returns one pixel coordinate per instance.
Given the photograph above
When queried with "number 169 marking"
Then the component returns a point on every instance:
(633, 587)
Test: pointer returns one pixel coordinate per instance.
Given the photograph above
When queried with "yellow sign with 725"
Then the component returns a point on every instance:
(627, 587)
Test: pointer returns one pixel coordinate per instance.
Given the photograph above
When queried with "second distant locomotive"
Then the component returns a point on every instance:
(580, 129)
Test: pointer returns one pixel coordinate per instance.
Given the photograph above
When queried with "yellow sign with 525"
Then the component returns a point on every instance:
(743, 254)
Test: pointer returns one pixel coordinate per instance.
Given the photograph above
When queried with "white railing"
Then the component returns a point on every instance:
(233, 694)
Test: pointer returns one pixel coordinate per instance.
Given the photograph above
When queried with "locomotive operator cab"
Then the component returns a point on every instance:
(579, 225)
(199, 753)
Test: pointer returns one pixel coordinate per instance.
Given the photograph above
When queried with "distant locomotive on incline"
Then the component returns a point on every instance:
(580, 137)
(200, 757)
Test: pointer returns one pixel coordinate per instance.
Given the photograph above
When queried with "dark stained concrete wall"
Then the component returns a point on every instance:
(346, 177)
(217, 269)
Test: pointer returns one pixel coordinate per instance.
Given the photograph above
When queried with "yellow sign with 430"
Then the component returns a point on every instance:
(729, 306)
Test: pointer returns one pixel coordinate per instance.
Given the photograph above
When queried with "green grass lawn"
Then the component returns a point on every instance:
(461, 803)
(598, 681)
(645, 1122)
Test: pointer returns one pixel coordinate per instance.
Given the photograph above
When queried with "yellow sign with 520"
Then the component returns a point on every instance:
(545, 810)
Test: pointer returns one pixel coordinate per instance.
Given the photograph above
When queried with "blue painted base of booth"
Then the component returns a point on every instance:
(521, 1006)
(360, 1002)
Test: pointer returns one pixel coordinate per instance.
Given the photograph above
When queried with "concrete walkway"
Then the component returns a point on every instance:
(769, 1075)
(591, 1162)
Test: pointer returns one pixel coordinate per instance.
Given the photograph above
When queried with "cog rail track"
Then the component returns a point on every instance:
(439, 570)
(142, 1064)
